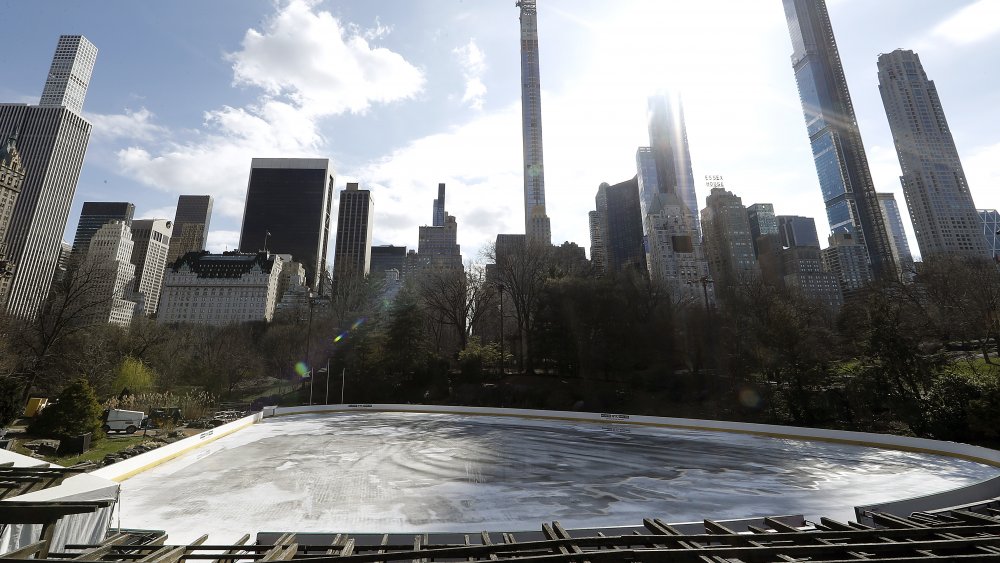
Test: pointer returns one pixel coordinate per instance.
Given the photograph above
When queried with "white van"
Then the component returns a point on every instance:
(124, 421)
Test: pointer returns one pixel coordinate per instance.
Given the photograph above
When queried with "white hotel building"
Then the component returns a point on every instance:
(220, 289)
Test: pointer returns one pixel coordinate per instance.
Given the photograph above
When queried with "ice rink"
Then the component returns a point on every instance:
(400, 472)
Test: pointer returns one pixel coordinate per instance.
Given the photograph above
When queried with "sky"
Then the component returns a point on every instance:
(402, 95)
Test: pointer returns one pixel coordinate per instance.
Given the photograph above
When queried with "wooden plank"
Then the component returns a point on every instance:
(233, 551)
(713, 527)
(27, 551)
(780, 526)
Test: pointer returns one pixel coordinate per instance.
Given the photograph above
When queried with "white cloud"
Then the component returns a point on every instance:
(473, 62)
(308, 66)
(983, 173)
(971, 24)
(309, 57)
(134, 125)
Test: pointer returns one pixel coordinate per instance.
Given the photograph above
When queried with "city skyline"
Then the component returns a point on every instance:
(164, 138)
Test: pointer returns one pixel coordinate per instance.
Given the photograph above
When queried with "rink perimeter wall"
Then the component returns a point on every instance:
(124, 469)
(984, 490)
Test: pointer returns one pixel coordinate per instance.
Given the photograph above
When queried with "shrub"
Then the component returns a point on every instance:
(76, 412)
(10, 400)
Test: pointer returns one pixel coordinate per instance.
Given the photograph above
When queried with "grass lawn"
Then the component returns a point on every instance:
(108, 445)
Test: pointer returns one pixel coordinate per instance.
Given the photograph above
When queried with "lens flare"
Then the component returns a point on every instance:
(749, 398)
(301, 368)
(358, 323)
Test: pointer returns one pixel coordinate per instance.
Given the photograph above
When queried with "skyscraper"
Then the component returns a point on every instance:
(536, 222)
(841, 164)
(288, 211)
(438, 220)
(619, 221)
(69, 75)
(107, 259)
(388, 257)
(150, 245)
(96, 214)
(727, 241)
(191, 221)
(437, 245)
(669, 149)
(598, 254)
(355, 219)
(991, 230)
(797, 231)
(11, 179)
(894, 226)
(762, 222)
(846, 260)
(937, 194)
(673, 245)
(52, 139)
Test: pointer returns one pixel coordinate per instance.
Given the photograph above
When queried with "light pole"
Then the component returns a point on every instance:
(500, 289)
(704, 281)
(309, 338)
(343, 382)
(327, 402)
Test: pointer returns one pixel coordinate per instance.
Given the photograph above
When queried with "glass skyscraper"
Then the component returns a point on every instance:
(191, 223)
(288, 211)
(937, 194)
(894, 224)
(841, 163)
(991, 229)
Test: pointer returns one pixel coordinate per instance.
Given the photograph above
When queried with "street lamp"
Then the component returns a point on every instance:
(500, 289)
(704, 281)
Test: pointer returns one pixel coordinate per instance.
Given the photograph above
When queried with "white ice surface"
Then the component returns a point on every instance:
(400, 472)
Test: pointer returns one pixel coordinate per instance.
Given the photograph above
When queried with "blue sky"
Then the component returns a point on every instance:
(402, 95)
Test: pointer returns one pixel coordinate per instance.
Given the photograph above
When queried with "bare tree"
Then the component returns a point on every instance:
(74, 304)
(456, 298)
(521, 271)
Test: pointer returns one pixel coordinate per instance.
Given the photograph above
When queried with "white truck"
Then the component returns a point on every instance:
(119, 420)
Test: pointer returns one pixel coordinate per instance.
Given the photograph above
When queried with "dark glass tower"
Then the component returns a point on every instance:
(96, 214)
(620, 222)
(536, 223)
(352, 254)
(288, 211)
(841, 163)
(191, 222)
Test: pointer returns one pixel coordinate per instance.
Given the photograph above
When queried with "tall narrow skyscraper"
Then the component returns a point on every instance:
(944, 216)
(673, 245)
(288, 211)
(841, 163)
(52, 139)
(668, 146)
(191, 221)
(352, 250)
(536, 222)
